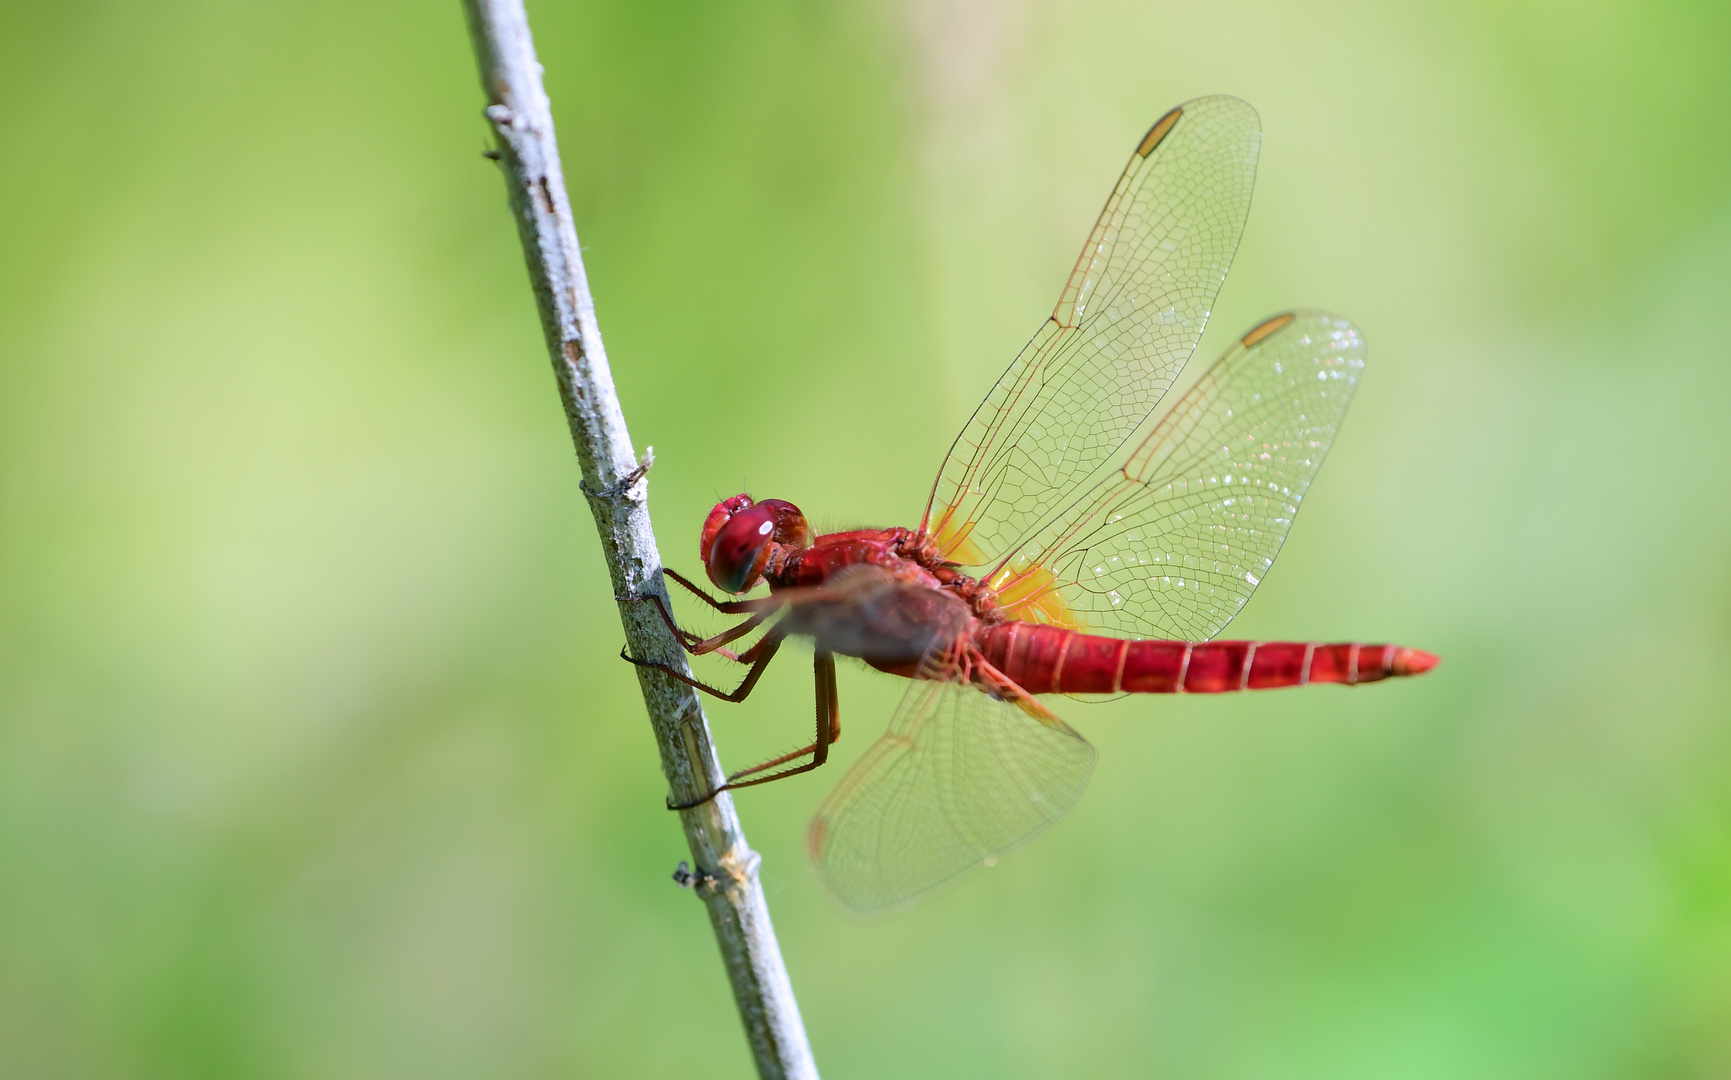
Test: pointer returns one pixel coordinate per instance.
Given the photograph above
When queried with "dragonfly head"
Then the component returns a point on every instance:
(743, 539)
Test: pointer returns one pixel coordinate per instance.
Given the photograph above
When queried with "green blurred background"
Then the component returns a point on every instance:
(316, 756)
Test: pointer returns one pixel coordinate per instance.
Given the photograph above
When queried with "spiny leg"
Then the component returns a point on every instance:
(828, 725)
(828, 731)
(695, 645)
(726, 607)
(758, 656)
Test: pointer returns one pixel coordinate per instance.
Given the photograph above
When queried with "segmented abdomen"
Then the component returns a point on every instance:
(1049, 659)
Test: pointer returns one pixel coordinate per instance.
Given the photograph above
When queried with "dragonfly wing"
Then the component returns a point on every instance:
(1128, 319)
(960, 778)
(1173, 544)
(863, 611)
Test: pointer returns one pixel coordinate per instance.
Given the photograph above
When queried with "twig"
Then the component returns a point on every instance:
(614, 481)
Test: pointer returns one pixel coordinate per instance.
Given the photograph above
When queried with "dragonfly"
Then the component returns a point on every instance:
(1058, 552)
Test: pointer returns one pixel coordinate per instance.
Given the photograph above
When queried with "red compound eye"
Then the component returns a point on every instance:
(740, 538)
(740, 550)
(724, 510)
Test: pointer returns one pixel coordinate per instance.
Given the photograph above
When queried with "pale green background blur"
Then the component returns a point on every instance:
(316, 756)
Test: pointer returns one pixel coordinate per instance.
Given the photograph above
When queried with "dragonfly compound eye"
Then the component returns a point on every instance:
(740, 548)
(790, 527)
(718, 517)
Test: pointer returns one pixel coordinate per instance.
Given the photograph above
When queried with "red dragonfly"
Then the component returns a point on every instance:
(1056, 555)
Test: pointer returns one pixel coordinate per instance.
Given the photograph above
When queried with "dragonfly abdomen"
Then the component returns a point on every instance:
(1052, 660)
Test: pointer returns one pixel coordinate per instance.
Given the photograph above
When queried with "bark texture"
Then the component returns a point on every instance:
(615, 481)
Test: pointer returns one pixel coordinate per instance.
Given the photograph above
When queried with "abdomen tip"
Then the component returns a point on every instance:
(1414, 662)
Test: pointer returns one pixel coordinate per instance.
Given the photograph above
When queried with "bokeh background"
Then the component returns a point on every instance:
(316, 756)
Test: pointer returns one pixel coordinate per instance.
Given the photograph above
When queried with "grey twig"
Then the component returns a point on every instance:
(614, 480)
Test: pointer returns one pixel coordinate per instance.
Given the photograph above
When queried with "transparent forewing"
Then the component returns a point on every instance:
(960, 777)
(1174, 543)
(1129, 317)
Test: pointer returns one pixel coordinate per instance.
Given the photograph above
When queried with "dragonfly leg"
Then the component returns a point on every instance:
(686, 638)
(758, 656)
(693, 644)
(726, 607)
(828, 731)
